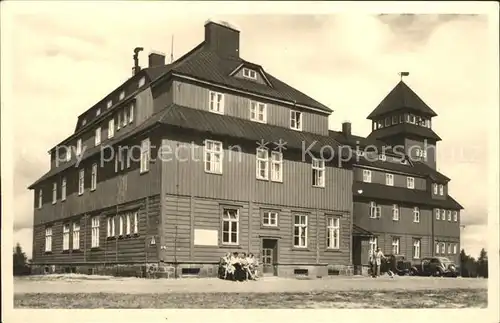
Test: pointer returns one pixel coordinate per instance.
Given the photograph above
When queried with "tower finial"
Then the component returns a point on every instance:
(401, 74)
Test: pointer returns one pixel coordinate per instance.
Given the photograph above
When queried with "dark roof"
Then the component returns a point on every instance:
(357, 141)
(400, 194)
(401, 98)
(360, 232)
(404, 129)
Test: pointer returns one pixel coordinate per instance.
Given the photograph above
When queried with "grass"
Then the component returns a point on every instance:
(454, 298)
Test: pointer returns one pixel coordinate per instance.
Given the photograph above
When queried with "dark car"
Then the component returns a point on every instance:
(397, 264)
(435, 266)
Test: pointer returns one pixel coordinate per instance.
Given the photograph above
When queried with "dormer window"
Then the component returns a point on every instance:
(441, 189)
(395, 120)
(142, 81)
(122, 95)
(435, 189)
(382, 157)
(296, 120)
(109, 104)
(387, 122)
(258, 112)
(98, 112)
(248, 73)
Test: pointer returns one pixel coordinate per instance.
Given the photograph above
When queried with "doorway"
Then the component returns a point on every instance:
(269, 257)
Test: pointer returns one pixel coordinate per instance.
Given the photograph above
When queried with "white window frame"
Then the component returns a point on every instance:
(122, 95)
(76, 236)
(394, 120)
(81, 181)
(435, 188)
(54, 193)
(449, 249)
(124, 118)
(375, 211)
(438, 214)
(389, 179)
(93, 178)
(416, 248)
(97, 140)
(141, 82)
(395, 212)
(248, 73)
(109, 104)
(318, 168)
(416, 214)
(128, 224)
(382, 157)
(79, 147)
(438, 247)
(120, 225)
(302, 228)
(262, 164)
(145, 155)
(276, 166)
(98, 112)
(269, 218)
(63, 189)
(95, 222)
(396, 245)
(68, 153)
(40, 198)
(455, 248)
(118, 121)
(258, 112)
(131, 113)
(213, 150)
(367, 176)
(296, 118)
(214, 104)
(111, 128)
(443, 248)
(373, 243)
(455, 216)
(449, 215)
(65, 235)
(136, 222)
(410, 182)
(111, 221)
(441, 189)
(226, 217)
(48, 239)
(443, 215)
(333, 232)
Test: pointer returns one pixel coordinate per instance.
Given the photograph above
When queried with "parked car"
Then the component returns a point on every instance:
(435, 266)
(397, 264)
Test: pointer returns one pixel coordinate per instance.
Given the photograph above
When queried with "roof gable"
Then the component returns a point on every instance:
(401, 98)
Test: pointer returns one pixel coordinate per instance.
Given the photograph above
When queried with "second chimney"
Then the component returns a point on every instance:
(156, 59)
(222, 38)
(346, 128)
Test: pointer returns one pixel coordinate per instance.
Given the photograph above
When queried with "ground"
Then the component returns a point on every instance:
(80, 291)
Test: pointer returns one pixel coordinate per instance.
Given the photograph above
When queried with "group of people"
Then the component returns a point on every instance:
(375, 260)
(238, 267)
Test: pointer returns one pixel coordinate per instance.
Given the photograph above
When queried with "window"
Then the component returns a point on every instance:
(270, 218)
(333, 233)
(98, 136)
(111, 226)
(454, 248)
(387, 121)
(395, 120)
(318, 172)
(258, 112)
(438, 214)
(395, 246)
(410, 182)
(145, 155)
(389, 179)
(81, 181)
(443, 215)
(40, 198)
(136, 222)
(373, 244)
(262, 163)
(120, 225)
(395, 212)
(296, 120)
(79, 147)
(111, 128)
(109, 104)
(95, 232)
(98, 112)
(131, 114)
(367, 176)
(122, 95)
(66, 236)
(443, 248)
(125, 118)
(437, 247)
(142, 81)
(216, 102)
(127, 231)
(48, 239)
(248, 73)
(435, 188)
(449, 248)
(118, 121)
(54, 193)
(412, 119)
(68, 153)
(63, 189)
(76, 236)
(300, 231)
(416, 248)
(382, 157)
(276, 166)
(213, 156)
(84, 122)
(401, 118)
(455, 216)
(441, 189)
(416, 215)
(375, 210)
(380, 124)
(93, 182)
(230, 226)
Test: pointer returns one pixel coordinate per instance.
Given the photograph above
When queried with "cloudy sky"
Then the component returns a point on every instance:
(67, 59)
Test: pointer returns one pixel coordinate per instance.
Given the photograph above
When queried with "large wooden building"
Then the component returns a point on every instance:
(210, 154)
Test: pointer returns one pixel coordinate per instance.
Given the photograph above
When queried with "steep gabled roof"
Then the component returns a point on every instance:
(401, 98)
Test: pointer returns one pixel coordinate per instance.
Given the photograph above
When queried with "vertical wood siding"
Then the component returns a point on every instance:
(197, 97)
(378, 177)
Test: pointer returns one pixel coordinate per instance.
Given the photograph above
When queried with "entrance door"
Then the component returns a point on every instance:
(269, 256)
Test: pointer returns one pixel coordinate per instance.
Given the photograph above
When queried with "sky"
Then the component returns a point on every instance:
(68, 59)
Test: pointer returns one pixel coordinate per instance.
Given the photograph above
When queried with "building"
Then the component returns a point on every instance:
(210, 188)
(210, 154)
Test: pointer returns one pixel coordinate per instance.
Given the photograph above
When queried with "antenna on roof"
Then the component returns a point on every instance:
(401, 74)
(172, 50)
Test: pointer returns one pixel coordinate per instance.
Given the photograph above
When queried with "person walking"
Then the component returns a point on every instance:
(379, 255)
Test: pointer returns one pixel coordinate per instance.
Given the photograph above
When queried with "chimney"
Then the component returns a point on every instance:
(136, 67)
(222, 38)
(156, 59)
(346, 128)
